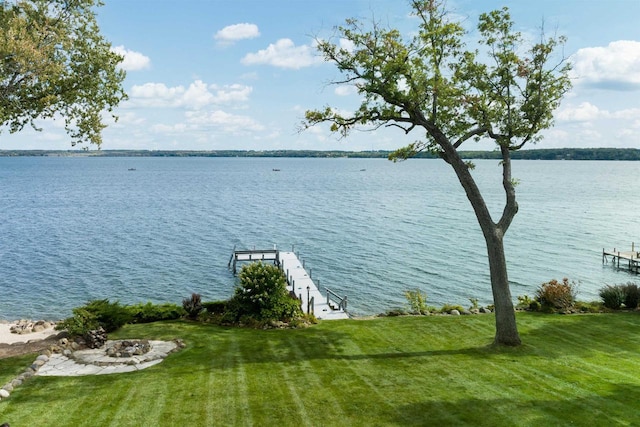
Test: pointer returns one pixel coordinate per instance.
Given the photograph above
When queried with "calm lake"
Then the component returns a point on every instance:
(75, 229)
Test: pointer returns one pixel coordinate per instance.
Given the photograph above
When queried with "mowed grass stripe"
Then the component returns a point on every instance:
(289, 375)
(312, 378)
(391, 371)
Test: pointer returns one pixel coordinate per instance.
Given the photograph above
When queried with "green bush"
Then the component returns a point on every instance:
(193, 306)
(262, 295)
(215, 307)
(417, 301)
(525, 302)
(589, 307)
(448, 307)
(631, 295)
(149, 312)
(612, 296)
(555, 295)
(80, 323)
(110, 315)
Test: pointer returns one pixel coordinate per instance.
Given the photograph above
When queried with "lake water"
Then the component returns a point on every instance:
(75, 229)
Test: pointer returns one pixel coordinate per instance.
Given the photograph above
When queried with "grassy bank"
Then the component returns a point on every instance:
(578, 370)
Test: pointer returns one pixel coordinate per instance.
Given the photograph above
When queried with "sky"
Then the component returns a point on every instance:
(239, 74)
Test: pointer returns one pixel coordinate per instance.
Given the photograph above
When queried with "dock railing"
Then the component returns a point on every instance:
(341, 302)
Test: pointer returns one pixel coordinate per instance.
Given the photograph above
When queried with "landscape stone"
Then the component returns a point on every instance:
(454, 312)
(4, 393)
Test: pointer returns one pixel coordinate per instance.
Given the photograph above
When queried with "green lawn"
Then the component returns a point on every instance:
(571, 370)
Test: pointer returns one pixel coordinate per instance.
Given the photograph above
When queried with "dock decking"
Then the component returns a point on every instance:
(329, 306)
(630, 259)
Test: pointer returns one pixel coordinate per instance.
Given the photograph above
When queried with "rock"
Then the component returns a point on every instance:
(38, 328)
(25, 375)
(465, 313)
(7, 387)
(42, 358)
(38, 363)
(475, 311)
(484, 310)
(16, 383)
(66, 352)
(454, 312)
(4, 393)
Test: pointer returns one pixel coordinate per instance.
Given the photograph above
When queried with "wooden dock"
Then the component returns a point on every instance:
(630, 260)
(325, 306)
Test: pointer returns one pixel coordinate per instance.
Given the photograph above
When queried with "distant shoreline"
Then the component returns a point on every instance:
(625, 154)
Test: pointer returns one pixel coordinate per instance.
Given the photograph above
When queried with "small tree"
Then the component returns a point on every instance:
(262, 294)
(431, 84)
(53, 60)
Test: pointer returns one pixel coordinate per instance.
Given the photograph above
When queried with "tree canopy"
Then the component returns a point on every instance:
(433, 85)
(54, 61)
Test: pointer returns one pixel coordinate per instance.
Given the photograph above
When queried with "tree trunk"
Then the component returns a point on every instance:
(506, 329)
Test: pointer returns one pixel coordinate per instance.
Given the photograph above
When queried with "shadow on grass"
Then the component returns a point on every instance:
(581, 334)
(617, 407)
(213, 347)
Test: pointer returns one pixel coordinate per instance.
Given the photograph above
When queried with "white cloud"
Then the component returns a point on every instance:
(345, 90)
(196, 96)
(581, 113)
(628, 114)
(232, 93)
(587, 112)
(615, 66)
(231, 123)
(284, 54)
(233, 33)
(133, 61)
(163, 128)
(347, 45)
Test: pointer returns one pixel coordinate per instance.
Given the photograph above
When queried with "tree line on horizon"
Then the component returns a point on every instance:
(628, 154)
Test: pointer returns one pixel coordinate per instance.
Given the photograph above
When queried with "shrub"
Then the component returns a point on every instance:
(80, 323)
(448, 307)
(149, 312)
(612, 296)
(193, 306)
(589, 307)
(215, 307)
(535, 305)
(95, 314)
(417, 301)
(631, 295)
(525, 302)
(262, 295)
(110, 315)
(555, 295)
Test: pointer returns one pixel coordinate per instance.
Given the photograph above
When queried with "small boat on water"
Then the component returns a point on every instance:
(132, 169)
(275, 170)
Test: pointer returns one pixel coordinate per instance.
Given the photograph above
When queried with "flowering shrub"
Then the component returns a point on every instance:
(555, 295)
(262, 295)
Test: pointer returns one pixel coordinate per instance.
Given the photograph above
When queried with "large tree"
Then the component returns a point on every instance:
(433, 85)
(54, 61)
